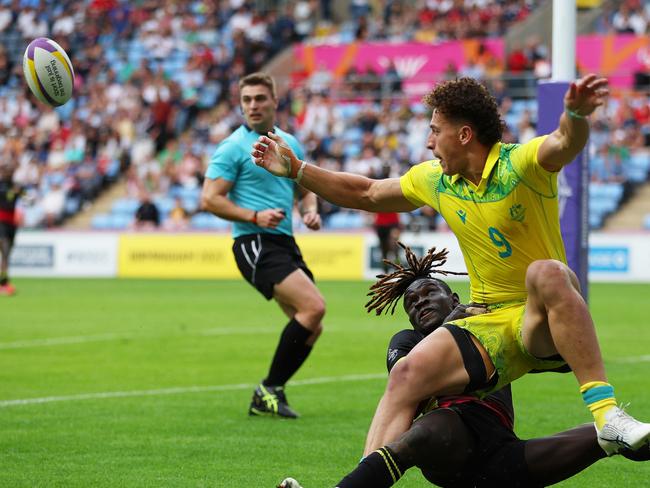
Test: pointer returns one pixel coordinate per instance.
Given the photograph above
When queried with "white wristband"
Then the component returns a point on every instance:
(299, 173)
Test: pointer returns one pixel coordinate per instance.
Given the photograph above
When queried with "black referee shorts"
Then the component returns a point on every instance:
(8, 231)
(266, 259)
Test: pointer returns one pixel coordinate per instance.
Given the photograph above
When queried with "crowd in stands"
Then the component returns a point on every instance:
(420, 20)
(156, 90)
(154, 82)
(625, 17)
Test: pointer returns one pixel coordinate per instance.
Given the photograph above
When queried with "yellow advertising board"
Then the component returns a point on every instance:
(329, 256)
(588, 3)
(176, 256)
(333, 256)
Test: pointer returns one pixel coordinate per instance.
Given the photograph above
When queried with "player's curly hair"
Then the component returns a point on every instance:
(389, 288)
(467, 100)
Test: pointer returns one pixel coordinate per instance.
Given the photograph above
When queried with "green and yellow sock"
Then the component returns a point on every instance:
(599, 398)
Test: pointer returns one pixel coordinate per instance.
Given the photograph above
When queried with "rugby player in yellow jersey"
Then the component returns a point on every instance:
(500, 200)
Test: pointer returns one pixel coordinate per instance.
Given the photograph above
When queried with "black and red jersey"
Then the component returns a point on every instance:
(9, 193)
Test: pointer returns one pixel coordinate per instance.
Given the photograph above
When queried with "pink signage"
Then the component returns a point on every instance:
(420, 64)
(616, 57)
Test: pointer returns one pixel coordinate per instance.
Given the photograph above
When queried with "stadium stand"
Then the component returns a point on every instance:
(156, 91)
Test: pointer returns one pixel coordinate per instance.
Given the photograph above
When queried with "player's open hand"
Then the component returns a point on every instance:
(586, 94)
(274, 155)
(312, 220)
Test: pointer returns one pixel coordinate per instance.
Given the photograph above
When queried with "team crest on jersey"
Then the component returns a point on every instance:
(462, 214)
(518, 212)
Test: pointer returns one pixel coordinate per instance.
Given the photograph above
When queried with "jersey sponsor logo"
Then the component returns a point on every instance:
(518, 212)
(392, 354)
(462, 214)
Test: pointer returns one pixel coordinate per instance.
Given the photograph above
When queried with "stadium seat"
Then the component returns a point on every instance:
(125, 206)
(101, 222)
(345, 221)
(207, 221)
(190, 204)
(164, 204)
(352, 150)
(595, 221)
(636, 169)
(121, 222)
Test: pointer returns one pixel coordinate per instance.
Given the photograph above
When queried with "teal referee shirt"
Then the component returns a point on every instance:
(254, 187)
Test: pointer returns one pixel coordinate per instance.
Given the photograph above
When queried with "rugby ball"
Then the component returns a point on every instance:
(48, 71)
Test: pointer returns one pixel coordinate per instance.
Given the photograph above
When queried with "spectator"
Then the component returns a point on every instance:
(320, 80)
(526, 129)
(147, 216)
(53, 204)
(642, 75)
(178, 219)
(629, 21)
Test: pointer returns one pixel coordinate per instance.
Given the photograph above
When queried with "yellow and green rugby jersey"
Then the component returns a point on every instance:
(502, 225)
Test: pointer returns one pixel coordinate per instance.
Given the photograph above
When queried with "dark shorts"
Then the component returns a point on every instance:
(266, 259)
(7, 231)
(383, 231)
(498, 459)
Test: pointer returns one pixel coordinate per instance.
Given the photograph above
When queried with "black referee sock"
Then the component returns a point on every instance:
(289, 355)
(379, 469)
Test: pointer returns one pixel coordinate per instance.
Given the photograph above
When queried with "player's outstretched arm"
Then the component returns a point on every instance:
(563, 145)
(342, 189)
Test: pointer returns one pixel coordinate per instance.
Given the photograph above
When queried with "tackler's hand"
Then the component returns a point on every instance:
(463, 311)
(273, 154)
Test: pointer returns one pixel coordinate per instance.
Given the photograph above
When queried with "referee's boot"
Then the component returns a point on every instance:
(622, 431)
(271, 401)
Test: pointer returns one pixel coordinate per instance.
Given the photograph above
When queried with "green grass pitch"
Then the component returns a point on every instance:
(147, 383)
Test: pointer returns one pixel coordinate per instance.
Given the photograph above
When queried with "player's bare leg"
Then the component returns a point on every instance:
(434, 367)
(557, 320)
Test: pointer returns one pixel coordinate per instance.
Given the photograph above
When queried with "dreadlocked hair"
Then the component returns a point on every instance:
(389, 288)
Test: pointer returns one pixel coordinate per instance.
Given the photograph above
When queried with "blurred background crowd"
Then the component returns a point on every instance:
(156, 91)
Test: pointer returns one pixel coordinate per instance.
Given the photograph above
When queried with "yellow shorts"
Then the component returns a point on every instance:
(499, 331)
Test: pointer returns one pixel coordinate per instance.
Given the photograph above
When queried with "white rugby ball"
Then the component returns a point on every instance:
(48, 71)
